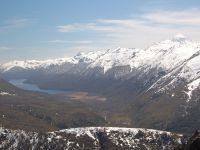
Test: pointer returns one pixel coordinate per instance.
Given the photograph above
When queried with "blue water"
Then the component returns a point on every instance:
(20, 83)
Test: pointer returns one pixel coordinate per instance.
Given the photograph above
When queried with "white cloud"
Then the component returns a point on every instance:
(16, 23)
(69, 42)
(76, 27)
(182, 18)
(4, 48)
(141, 31)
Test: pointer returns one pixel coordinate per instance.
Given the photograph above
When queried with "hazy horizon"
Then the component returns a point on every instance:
(48, 29)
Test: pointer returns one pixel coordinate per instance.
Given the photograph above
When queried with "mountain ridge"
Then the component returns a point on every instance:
(138, 84)
(174, 59)
(91, 138)
(91, 57)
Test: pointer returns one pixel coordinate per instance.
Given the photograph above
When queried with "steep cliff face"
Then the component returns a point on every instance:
(192, 144)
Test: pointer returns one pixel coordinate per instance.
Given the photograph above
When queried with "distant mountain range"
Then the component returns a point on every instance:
(164, 65)
(157, 87)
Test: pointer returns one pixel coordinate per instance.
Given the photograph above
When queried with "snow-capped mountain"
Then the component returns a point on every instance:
(164, 76)
(166, 54)
(174, 59)
(90, 138)
(35, 64)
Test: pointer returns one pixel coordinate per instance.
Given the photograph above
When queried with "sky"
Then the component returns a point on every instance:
(45, 29)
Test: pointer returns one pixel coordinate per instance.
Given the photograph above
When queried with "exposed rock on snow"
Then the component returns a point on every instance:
(90, 138)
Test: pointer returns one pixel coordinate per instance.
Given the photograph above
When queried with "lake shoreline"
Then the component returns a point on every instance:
(22, 84)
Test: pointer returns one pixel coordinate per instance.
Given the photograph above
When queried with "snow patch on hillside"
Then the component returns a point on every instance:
(6, 93)
(191, 87)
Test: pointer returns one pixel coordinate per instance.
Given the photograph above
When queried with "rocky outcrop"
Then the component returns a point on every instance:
(91, 138)
(192, 144)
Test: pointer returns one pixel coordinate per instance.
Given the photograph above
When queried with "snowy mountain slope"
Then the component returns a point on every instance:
(181, 63)
(172, 51)
(91, 138)
(35, 64)
(113, 58)
(157, 87)
(168, 62)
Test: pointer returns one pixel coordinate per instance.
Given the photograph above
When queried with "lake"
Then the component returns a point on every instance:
(20, 83)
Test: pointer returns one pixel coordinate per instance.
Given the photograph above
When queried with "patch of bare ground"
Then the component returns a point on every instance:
(85, 96)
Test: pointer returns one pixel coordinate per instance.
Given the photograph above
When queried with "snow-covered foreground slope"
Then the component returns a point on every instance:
(90, 138)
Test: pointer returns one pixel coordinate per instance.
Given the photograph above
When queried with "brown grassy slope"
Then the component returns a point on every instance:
(38, 111)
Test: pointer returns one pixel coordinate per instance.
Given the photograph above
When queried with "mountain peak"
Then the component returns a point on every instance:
(179, 38)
